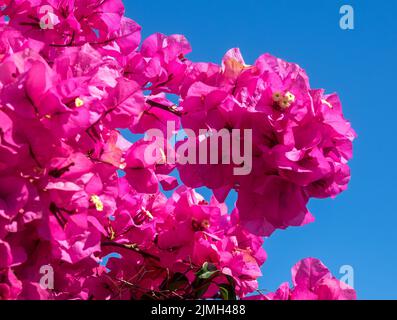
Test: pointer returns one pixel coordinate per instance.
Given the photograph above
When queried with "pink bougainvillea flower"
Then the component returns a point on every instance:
(311, 280)
(272, 203)
(300, 146)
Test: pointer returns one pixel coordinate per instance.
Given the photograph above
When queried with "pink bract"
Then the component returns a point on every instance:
(311, 280)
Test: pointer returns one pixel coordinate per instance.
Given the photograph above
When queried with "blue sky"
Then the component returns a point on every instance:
(358, 227)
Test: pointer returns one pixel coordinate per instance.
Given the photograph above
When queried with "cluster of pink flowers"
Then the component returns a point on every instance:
(74, 192)
(301, 142)
(311, 281)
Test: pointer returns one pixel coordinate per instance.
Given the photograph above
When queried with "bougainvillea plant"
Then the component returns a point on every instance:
(78, 198)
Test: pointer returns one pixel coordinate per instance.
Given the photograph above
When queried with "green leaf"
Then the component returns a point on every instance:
(224, 293)
(227, 292)
(207, 271)
(208, 274)
(178, 281)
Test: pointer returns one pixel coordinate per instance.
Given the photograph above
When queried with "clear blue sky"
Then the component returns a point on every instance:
(359, 227)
